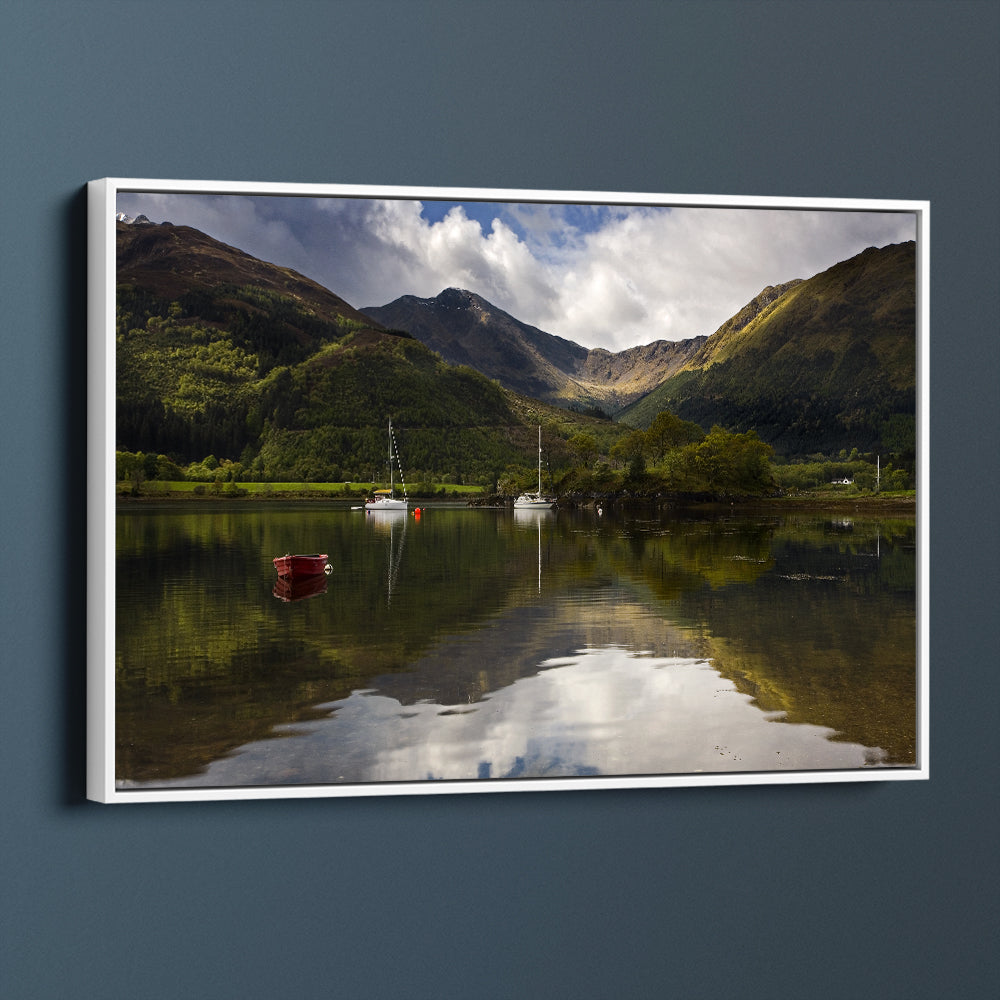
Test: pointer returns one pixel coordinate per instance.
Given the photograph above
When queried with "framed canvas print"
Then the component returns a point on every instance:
(398, 490)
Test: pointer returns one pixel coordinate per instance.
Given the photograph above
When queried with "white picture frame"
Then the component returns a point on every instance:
(103, 199)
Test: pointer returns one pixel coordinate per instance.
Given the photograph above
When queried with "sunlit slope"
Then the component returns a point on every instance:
(829, 363)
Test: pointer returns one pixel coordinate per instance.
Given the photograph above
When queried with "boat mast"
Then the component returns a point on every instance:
(539, 461)
(394, 450)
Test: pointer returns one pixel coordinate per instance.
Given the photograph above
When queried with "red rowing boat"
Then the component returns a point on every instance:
(293, 567)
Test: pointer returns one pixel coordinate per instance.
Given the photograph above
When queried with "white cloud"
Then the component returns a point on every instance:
(601, 276)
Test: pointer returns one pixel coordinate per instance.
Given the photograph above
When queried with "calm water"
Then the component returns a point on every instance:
(491, 644)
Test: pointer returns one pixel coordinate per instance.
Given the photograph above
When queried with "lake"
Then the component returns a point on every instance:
(485, 644)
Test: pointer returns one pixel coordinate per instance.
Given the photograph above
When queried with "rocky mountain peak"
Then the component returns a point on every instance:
(455, 298)
(139, 220)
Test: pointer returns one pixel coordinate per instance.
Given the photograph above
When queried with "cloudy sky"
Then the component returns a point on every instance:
(603, 276)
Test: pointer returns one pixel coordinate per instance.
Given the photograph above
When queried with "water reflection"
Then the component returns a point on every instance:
(532, 519)
(299, 588)
(484, 644)
(604, 711)
(391, 524)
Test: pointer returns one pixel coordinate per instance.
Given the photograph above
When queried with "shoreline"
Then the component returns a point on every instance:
(804, 502)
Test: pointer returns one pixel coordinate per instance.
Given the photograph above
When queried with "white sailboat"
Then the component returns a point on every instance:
(535, 501)
(387, 499)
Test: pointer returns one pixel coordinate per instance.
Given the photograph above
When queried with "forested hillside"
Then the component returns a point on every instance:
(222, 358)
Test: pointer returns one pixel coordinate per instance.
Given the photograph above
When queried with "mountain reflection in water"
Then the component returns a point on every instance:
(605, 711)
(491, 647)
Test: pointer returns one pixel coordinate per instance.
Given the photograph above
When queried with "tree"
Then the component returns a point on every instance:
(636, 469)
(724, 462)
(668, 431)
(166, 468)
(630, 448)
(585, 447)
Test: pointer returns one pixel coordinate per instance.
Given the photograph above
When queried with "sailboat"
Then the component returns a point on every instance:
(387, 499)
(535, 501)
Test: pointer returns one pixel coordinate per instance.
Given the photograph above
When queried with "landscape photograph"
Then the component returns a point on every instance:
(474, 491)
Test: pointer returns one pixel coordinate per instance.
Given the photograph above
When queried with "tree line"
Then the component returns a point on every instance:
(214, 387)
(675, 456)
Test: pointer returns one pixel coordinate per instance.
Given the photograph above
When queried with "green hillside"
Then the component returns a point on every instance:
(230, 359)
(232, 368)
(829, 364)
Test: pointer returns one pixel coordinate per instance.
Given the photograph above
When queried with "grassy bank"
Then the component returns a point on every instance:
(183, 490)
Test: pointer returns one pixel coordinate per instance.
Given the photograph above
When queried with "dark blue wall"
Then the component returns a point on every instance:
(876, 890)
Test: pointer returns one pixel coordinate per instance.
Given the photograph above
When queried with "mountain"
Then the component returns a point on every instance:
(223, 357)
(813, 366)
(466, 329)
(171, 260)
(728, 334)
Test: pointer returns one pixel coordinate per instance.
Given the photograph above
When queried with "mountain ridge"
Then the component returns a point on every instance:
(257, 372)
(828, 364)
(220, 353)
(171, 260)
(464, 328)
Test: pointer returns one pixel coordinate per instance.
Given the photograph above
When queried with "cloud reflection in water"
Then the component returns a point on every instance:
(602, 711)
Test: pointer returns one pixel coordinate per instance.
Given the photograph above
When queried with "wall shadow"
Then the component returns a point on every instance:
(73, 528)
